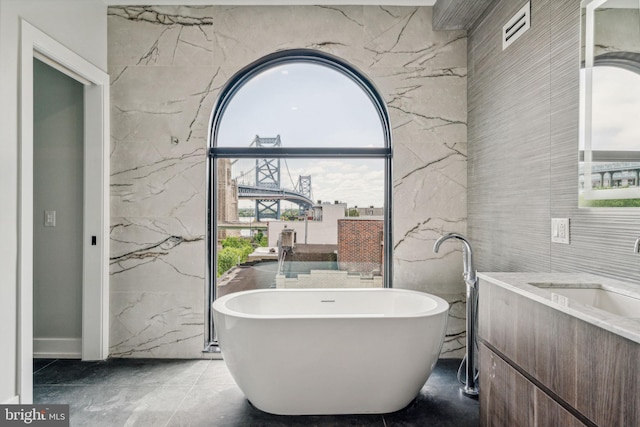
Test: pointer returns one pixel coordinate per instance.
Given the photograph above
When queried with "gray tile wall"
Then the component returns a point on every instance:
(167, 64)
(523, 151)
(457, 14)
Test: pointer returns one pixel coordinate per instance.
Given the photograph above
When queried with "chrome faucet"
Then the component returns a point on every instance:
(636, 247)
(470, 385)
(469, 273)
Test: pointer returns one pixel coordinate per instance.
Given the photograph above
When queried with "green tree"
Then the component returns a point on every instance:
(289, 215)
(246, 212)
(260, 239)
(235, 250)
(227, 258)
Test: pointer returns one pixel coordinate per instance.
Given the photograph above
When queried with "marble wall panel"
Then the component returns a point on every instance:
(155, 102)
(245, 34)
(157, 324)
(167, 65)
(402, 38)
(158, 35)
(157, 254)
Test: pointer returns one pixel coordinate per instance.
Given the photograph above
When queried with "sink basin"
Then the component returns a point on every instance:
(595, 296)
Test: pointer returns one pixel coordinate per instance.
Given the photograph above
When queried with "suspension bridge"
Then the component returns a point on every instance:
(265, 184)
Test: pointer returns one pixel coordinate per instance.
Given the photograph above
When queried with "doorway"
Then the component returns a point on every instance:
(58, 148)
(94, 83)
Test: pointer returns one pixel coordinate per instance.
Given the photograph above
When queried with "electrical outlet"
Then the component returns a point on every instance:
(560, 230)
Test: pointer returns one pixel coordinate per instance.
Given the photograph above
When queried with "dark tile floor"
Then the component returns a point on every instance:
(159, 392)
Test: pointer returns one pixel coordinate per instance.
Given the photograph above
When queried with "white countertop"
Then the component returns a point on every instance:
(520, 283)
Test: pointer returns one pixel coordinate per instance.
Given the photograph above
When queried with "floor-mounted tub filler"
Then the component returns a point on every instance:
(471, 381)
(330, 351)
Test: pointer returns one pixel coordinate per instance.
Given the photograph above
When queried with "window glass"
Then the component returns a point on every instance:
(308, 221)
(306, 104)
(334, 241)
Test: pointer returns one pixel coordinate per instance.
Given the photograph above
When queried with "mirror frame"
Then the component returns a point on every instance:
(587, 156)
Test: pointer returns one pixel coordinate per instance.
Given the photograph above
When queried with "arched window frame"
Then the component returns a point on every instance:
(215, 152)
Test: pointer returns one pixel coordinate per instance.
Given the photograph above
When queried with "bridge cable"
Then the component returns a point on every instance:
(244, 174)
(295, 187)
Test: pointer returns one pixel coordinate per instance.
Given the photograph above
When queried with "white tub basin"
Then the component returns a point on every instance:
(595, 296)
(317, 351)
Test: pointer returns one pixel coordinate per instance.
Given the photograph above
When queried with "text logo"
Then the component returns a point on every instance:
(34, 415)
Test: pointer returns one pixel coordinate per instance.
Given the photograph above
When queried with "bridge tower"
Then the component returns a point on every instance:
(304, 188)
(267, 176)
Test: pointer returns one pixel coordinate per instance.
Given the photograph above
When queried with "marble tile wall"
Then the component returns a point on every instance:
(167, 64)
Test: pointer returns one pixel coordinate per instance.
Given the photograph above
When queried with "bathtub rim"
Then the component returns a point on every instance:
(220, 306)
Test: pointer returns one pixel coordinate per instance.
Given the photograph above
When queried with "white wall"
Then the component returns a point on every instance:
(81, 25)
(324, 232)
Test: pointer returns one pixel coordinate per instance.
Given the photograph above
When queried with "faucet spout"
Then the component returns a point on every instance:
(636, 246)
(467, 252)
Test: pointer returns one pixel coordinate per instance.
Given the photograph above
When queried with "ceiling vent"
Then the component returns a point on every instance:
(516, 26)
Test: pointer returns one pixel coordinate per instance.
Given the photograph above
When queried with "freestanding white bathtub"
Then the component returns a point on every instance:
(330, 351)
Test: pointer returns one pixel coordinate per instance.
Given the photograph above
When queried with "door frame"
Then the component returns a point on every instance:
(95, 274)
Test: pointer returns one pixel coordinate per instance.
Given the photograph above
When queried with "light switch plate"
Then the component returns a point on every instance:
(49, 218)
(560, 230)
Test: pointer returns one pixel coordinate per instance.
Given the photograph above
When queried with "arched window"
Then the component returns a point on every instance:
(298, 140)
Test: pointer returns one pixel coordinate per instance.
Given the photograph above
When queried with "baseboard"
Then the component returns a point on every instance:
(57, 348)
(12, 401)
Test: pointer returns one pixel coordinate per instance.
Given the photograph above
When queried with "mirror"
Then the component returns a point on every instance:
(609, 140)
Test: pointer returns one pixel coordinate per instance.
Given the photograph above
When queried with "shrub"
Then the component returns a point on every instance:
(235, 242)
(235, 250)
(612, 203)
(227, 258)
(260, 239)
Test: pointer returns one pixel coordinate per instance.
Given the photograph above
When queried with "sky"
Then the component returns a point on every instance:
(616, 109)
(310, 105)
(357, 182)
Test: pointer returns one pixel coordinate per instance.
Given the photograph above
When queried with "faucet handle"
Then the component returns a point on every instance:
(465, 261)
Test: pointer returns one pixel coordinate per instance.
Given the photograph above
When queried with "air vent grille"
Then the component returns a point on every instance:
(516, 26)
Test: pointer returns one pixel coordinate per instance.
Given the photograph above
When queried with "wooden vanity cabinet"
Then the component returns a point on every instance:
(539, 364)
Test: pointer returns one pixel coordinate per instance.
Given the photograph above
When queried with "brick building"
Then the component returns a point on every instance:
(360, 246)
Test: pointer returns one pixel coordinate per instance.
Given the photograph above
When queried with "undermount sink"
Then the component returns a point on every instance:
(594, 295)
